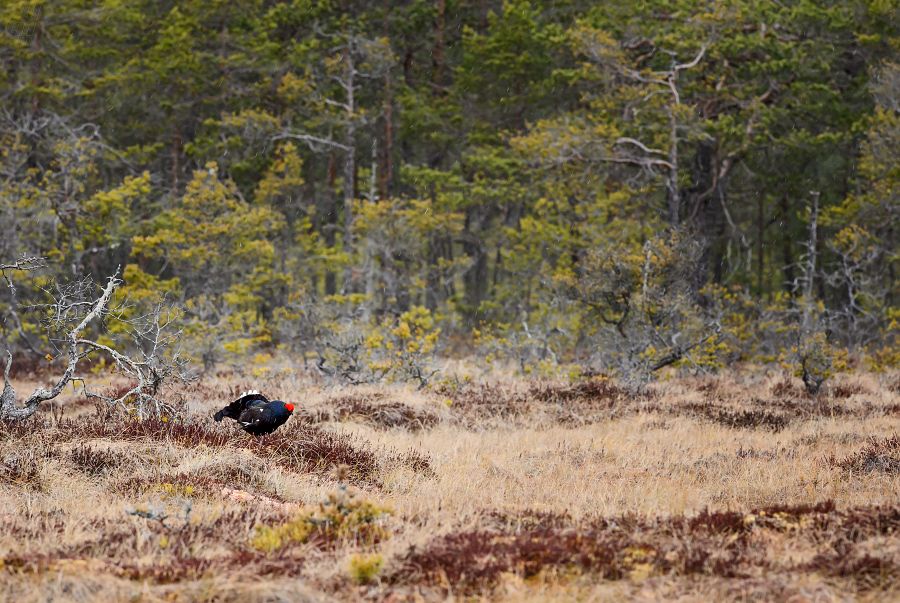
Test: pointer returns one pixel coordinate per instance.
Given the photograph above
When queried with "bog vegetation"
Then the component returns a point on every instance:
(742, 485)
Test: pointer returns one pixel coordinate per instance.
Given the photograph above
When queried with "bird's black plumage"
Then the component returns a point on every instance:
(256, 414)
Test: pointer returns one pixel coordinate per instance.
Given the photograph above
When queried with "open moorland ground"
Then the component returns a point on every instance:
(739, 487)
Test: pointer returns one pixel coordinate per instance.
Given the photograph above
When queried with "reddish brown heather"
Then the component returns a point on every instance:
(577, 403)
(591, 391)
(368, 409)
(296, 447)
(190, 432)
(722, 544)
(484, 400)
(867, 571)
(96, 461)
(788, 389)
(190, 552)
(846, 390)
(880, 454)
(22, 472)
(548, 403)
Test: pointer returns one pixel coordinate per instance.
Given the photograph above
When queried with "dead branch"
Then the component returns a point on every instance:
(8, 409)
(150, 371)
(640, 145)
(25, 263)
(158, 514)
(311, 141)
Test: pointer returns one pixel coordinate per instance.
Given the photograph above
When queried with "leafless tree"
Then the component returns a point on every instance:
(24, 264)
(153, 365)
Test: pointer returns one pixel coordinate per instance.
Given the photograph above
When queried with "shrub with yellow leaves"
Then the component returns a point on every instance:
(343, 516)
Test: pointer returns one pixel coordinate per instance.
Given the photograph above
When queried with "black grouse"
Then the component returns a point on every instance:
(255, 414)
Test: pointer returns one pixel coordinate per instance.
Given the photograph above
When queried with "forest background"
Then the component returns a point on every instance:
(577, 187)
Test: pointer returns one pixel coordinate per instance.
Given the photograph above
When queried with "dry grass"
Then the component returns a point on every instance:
(738, 487)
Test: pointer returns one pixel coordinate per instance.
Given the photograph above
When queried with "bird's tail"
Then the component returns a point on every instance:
(231, 411)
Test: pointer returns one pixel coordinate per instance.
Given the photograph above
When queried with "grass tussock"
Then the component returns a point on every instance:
(484, 400)
(22, 463)
(550, 402)
(302, 448)
(754, 418)
(847, 390)
(592, 391)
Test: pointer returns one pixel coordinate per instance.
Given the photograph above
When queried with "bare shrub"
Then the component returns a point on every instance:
(402, 348)
(536, 349)
(814, 360)
(69, 311)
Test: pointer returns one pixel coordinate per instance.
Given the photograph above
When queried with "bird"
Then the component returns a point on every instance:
(256, 414)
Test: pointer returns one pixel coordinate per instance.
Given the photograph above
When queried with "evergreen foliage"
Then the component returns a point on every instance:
(577, 185)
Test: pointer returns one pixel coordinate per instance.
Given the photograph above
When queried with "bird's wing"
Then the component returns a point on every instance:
(239, 406)
(253, 416)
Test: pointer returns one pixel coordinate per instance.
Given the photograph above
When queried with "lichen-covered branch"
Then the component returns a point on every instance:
(149, 371)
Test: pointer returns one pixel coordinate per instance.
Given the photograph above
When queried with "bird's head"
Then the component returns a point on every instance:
(289, 407)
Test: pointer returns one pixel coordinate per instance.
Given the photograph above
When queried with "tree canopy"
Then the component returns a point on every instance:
(505, 166)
